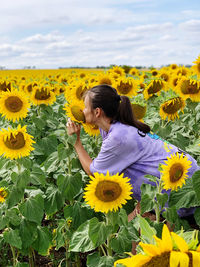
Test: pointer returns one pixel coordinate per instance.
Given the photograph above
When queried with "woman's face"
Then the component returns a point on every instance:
(88, 111)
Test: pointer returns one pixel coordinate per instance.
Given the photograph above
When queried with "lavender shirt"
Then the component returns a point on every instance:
(124, 150)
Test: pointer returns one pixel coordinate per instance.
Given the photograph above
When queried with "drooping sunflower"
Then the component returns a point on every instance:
(91, 129)
(15, 143)
(188, 88)
(42, 95)
(139, 110)
(196, 67)
(14, 105)
(74, 110)
(78, 89)
(5, 86)
(3, 194)
(107, 192)
(165, 75)
(155, 86)
(126, 86)
(28, 87)
(164, 253)
(174, 173)
(169, 109)
(183, 71)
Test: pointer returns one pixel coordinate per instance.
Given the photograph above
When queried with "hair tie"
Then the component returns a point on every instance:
(118, 98)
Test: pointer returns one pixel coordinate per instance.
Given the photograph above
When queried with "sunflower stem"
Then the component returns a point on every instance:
(103, 250)
(14, 255)
(109, 222)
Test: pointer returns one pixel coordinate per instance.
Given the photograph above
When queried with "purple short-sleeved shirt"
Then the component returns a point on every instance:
(124, 150)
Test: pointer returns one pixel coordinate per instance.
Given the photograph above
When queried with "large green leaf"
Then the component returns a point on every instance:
(16, 194)
(98, 231)
(43, 241)
(80, 241)
(95, 260)
(13, 216)
(12, 237)
(51, 163)
(38, 176)
(147, 232)
(70, 185)
(184, 197)
(54, 200)
(78, 213)
(33, 209)
(27, 232)
(196, 183)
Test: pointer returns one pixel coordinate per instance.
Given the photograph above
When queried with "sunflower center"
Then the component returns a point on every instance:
(175, 81)
(124, 88)
(78, 114)
(165, 77)
(139, 111)
(80, 92)
(13, 103)
(172, 107)
(16, 142)
(176, 172)
(187, 88)
(155, 87)
(159, 260)
(108, 191)
(42, 94)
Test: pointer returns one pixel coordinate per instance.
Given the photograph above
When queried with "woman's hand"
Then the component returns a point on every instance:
(73, 127)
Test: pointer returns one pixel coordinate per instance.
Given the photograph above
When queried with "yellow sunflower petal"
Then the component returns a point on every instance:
(179, 259)
(180, 242)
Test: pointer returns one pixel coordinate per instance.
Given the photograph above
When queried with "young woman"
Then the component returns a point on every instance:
(127, 147)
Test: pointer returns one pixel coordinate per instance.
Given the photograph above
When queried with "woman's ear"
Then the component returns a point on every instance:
(97, 112)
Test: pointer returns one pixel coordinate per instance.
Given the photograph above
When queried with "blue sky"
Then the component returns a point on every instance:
(64, 33)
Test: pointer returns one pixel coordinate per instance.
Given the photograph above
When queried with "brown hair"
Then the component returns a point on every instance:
(116, 107)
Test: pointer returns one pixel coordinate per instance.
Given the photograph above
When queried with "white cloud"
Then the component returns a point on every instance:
(191, 25)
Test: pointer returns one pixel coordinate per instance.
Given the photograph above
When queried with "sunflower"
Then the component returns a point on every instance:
(42, 95)
(164, 253)
(91, 129)
(28, 88)
(175, 171)
(105, 78)
(15, 143)
(188, 88)
(78, 89)
(14, 105)
(117, 71)
(106, 193)
(126, 86)
(139, 110)
(74, 110)
(169, 109)
(182, 71)
(165, 75)
(173, 66)
(155, 86)
(5, 86)
(134, 72)
(196, 67)
(154, 72)
(3, 194)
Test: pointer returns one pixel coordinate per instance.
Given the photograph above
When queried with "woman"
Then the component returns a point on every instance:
(127, 147)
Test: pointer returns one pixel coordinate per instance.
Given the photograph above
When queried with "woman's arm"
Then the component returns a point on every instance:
(85, 160)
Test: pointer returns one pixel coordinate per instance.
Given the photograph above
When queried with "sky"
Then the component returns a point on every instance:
(88, 33)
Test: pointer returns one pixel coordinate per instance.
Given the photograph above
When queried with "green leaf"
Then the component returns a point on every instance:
(14, 216)
(51, 163)
(43, 241)
(78, 214)
(16, 194)
(3, 221)
(54, 200)
(63, 153)
(95, 260)
(197, 215)
(98, 231)
(147, 232)
(146, 203)
(184, 197)
(72, 139)
(23, 179)
(12, 237)
(28, 233)
(70, 185)
(162, 199)
(80, 241)
(22, 264)
(48, 144)
(33, 209)
(38, 176)
(196, 183)
(122, 242)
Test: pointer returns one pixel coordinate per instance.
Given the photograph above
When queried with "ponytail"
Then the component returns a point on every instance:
(125, 115)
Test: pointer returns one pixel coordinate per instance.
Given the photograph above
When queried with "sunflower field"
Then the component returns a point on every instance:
(53, 214)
